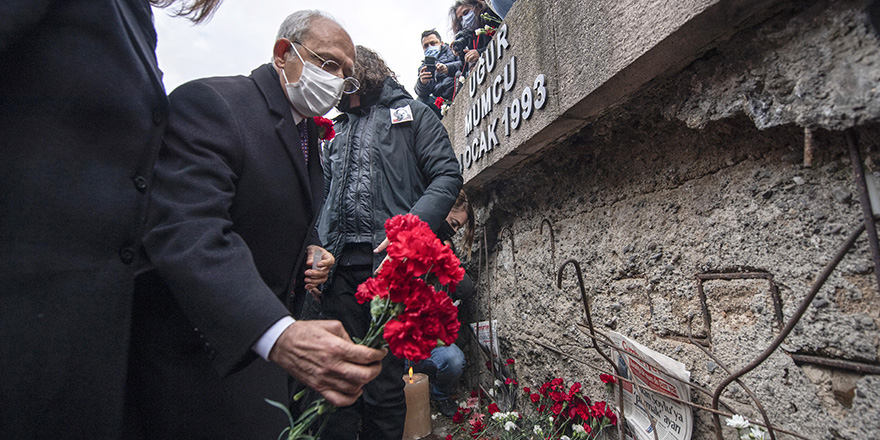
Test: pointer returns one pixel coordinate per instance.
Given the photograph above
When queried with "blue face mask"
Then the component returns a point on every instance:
(432, 51)
(469, 21)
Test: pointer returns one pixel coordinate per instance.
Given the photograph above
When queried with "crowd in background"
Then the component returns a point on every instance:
(473, 23)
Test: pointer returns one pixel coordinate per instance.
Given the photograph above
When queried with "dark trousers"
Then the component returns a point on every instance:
(382, 408)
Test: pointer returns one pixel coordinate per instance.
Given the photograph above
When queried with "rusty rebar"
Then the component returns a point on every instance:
(774, 291)
(552, 242)
(586, 302)
(809, 147)
(858, 367)
(817, 285)
(744, 387)
(580, 279)
(864, 200)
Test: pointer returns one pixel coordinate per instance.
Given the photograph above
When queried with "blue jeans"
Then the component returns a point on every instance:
(443, 368)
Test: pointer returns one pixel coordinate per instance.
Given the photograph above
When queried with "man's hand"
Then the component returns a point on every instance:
(442, 68)
(425, 76)
(321, 355)
(316, 277)
(382, 246)
(471, 55)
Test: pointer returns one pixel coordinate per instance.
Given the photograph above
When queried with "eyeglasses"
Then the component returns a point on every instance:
(350, 85)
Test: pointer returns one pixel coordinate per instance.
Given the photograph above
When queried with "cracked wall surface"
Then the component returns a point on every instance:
(702, 172)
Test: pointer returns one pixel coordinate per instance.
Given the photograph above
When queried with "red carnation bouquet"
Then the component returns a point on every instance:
(408, 314)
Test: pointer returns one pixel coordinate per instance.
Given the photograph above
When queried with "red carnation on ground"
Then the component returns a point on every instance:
(607, 378)
(325, 128)
(493, 408)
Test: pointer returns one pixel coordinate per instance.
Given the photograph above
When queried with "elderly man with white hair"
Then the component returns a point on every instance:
(231, 239)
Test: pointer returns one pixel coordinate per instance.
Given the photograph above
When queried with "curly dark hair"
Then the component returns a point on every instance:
(370, 70)
(196, 11)
(479, 7)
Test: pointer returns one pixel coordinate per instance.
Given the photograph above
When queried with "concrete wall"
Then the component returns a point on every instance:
(659, 157)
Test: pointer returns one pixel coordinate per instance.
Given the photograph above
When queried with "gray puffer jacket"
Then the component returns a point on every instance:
(375, 169)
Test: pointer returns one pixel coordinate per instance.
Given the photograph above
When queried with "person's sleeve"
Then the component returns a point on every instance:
(264, 345)
(465, 288)
(437, 161)
(189, 235)
(444, 87)
(454, 67)
(17, 17)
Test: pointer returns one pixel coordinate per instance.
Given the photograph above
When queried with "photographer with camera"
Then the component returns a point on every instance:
(467, 17)
(437, 72)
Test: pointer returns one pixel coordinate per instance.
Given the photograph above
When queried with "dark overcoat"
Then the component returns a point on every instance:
(82, 112)
(232, 210)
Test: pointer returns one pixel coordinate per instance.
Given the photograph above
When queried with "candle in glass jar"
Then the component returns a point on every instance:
(418, 406)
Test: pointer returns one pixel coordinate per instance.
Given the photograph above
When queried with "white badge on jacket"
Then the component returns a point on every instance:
(402, 114)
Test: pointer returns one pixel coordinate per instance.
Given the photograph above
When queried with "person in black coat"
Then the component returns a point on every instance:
(231, 231)
(441, 82)
(82, 112)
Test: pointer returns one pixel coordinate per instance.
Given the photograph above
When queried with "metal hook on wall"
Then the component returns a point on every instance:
(552, 242)
(789, 326)
(593, 338)
(580, 278)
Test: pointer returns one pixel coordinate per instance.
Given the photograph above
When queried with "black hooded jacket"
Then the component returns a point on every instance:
(376, 168)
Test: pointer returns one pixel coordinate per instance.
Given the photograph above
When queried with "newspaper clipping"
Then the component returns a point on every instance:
(487, 339)
(656, 379)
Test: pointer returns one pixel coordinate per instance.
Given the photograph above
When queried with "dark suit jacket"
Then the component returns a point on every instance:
(82, 112)
(232, 210)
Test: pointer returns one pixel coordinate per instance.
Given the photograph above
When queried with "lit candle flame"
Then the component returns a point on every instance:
(410, 375)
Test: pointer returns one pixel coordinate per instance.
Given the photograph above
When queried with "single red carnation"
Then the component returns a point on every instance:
(598, 409)
(370, 289)
(607, 378)
(510, 381)
(325, 128)
(535, 397)
(510, 361)
(439, 102)
(493, 408)
(458, 417)
(612, 418)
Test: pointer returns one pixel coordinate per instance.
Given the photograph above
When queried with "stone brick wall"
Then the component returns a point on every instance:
(701, 170)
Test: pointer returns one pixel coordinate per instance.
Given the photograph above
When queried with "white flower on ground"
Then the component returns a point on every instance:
(738, 422)
(538, 431)
(578, 429)
(498, 416)
(498, 383)
(565, 437)
(510, 426)
(758, 433)
(433, 416)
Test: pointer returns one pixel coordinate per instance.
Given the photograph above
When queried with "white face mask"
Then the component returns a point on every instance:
(316, 92)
